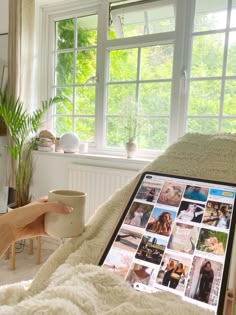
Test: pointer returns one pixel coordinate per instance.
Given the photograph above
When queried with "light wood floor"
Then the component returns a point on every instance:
(25, 264)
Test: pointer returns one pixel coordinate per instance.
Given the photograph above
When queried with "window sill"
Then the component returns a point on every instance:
(98, 160)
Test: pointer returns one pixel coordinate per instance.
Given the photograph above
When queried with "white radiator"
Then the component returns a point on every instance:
(98, 182)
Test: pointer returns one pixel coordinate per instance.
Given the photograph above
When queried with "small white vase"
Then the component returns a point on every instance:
(131, 148)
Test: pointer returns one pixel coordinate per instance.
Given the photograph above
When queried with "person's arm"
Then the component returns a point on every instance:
(196, 214)
(27, 221)
(199, 212)
(180, 215)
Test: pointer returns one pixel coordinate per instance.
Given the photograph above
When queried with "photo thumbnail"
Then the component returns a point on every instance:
(118, 261)
(139, 273)
(151, 249)
(183, 238)
(149, 191)
(204, 280)
(174, 272)
(171, 194)
(217, 214)
(196, 193)
(191, 212)
(161, 221)
(213, 242)
(138, 214)
(127, 240)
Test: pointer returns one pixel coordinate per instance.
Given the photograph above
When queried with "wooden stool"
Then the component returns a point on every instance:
(31, 251)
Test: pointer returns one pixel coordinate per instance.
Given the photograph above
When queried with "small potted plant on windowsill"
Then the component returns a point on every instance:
(131, 127)
(22, 127)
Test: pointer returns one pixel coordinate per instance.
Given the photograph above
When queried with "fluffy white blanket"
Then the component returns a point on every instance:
(70, 282)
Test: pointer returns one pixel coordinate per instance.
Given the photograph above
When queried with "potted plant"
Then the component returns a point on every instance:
(22, 127)
(131, 126)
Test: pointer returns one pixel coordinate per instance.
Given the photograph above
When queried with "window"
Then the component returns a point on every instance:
(136, 18)
(147, 69)
(212, 94)
(75, 75)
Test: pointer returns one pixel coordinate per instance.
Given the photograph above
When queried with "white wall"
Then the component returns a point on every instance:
(4, 16)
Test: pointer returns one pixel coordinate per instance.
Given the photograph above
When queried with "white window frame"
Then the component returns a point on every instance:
(48, 14)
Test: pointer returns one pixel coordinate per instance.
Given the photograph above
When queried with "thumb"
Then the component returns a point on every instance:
(57, 207)
(53, 206)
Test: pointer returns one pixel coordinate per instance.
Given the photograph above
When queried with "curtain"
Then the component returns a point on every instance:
(21, 67)
(21, 49)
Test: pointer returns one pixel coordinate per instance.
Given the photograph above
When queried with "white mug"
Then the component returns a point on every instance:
(66, 225)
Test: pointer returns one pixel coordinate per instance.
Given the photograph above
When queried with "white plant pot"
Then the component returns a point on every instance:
(131, 148)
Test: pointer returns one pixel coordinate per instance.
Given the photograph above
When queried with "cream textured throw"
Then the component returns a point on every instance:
(70, 283)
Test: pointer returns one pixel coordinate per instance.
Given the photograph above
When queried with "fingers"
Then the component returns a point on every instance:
(40, 200)
(58, 207)
(43, 199)
(40, 208)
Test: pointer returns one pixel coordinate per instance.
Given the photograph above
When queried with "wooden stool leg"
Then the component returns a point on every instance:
(7, 253)
(13, 256)
(38, 255)
(31, 246)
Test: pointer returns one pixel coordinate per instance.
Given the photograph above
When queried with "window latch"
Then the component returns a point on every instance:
(185, 79)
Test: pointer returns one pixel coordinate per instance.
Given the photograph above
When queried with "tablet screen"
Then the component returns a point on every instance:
(176, 235)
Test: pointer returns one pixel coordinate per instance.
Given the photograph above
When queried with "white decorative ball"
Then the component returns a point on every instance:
(69, 142)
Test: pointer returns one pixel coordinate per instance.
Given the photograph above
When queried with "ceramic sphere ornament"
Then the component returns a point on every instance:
(69, 142)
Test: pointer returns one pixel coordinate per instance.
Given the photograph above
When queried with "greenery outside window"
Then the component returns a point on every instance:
(75, 75)
(212, 93)
(170, 64)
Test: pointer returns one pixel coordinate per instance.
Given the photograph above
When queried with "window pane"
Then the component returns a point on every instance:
(62, 125)
(116, 134)
(156, 62)
(204, 98)
(65, 107)
(161, 19)
(120, 130)
(87, 31)
(229, 125)
(123, 65)
(85, 65)
(154, 134)
(210, 15)
(84, 128)
(231, 60)
(120, 97)
(233, 14)
(135, 20)
(207, 55)
(230, 98)
(64, 68)
(65, 34)
(85, 100)
(155, 98)
(209, 125)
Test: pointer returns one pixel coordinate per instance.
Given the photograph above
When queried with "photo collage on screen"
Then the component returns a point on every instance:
(174, 238)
